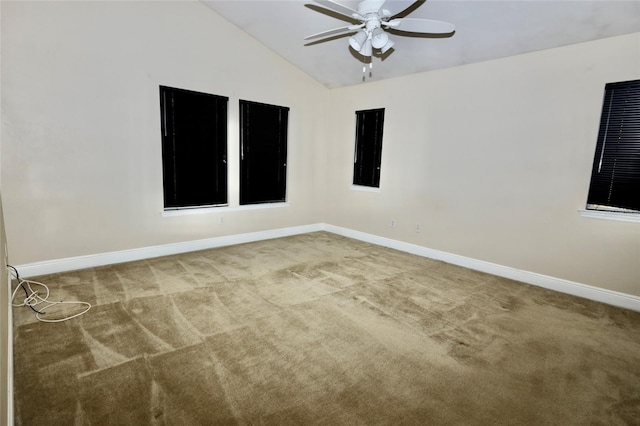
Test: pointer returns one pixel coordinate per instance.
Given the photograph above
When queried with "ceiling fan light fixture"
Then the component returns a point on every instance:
(370, 33)
(357, 41)
(366, 49)
(379, 38)
(388, 45)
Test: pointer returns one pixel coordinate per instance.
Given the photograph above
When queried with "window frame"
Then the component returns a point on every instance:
(615, 172)
(367, 156)
(257, 134)
(173, 194)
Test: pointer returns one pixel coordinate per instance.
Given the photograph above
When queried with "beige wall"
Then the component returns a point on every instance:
(81, 161)
(493, 161)
(4, 301)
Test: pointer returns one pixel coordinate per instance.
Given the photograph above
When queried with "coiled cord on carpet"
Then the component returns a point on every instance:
(33, 299)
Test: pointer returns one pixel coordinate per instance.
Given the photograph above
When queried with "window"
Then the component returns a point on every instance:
(263, 153)
(368, 152)
(194, 148)
(615, 176)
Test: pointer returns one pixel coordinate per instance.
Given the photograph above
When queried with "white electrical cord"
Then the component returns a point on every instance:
(33, 299)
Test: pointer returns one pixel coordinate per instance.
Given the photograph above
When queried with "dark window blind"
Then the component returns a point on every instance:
(368, 152)
(615, 176)
(263, 152)
(194, 148)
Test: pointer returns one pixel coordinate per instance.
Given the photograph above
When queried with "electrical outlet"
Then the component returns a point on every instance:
(221, 220)
(417, 227)
(393, 223)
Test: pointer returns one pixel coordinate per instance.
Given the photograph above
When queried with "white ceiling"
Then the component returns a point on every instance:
(484, 30)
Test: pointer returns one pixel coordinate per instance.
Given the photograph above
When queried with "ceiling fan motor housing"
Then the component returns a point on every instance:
(369, 6)
(370, 33)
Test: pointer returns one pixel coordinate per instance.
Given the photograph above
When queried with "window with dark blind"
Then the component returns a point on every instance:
(263, 152)
(194, 148)
(368, 151)
(615, 176)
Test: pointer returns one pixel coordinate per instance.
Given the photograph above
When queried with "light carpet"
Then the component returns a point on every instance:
(321, 329)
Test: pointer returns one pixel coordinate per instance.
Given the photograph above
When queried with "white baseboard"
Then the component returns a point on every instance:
(101, 259)
(622, 300)
(609, 297)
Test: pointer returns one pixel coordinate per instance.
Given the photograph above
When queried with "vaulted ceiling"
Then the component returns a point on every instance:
(485, 30)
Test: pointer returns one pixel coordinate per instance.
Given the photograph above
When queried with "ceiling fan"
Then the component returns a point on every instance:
(374, 20)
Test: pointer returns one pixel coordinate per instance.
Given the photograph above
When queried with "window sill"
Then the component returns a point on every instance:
(364, 188)
(222, 209)
(599, 214)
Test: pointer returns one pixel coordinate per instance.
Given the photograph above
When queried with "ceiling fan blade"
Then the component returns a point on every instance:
(408, 10)
(335, 31)
(417, 25)
(340, 8)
